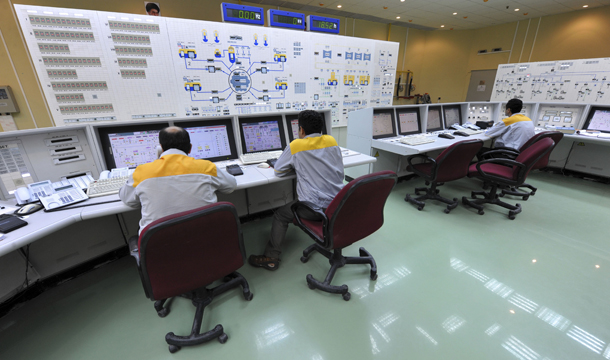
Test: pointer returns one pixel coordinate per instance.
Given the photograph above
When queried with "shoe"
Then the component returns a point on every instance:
(264, 262)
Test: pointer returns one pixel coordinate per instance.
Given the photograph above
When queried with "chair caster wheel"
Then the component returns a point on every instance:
(526, 197)
(417, 193)
(163, 312)
(304, 259)
(173, 348)
(309, 285)
(512, 217)
(374, 276)
(248, 296)
(455, 199)
(446, 211)
(223, 338)
(501, 195)
(532, 193)
(347, 296)
(420, 208)
(481, 212)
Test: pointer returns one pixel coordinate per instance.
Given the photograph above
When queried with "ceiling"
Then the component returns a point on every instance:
(432, 14)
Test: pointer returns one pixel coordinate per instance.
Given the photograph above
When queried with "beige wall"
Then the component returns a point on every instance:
(441, 60)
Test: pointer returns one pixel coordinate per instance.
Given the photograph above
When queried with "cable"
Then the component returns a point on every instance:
(80, 206)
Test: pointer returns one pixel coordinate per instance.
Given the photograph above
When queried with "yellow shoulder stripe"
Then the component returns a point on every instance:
(312, 143)
(171, 165)
(515, 119)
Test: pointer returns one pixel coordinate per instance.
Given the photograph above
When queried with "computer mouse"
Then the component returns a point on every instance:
(446, 136)
(263, 165)
(28, 209)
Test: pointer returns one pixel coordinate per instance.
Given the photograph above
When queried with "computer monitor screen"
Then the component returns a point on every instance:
(130, 146)
(262, 134)
(434, 119)
(598, 119)
(292, 122)
(383, 124)
(453, 115)
(408, 121)
(212, 140)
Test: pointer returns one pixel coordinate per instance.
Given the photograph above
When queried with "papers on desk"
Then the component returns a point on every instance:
(347, 152)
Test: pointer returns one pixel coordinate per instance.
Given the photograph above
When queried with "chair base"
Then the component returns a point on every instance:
(515, 191)
(337, 260)
(431, 193)
(490, 197)
(202, 298)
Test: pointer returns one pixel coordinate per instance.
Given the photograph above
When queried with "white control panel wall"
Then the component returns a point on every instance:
(100, 66)
(584, 81)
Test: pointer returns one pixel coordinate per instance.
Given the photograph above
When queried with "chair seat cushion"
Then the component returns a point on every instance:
(315, 227)
(497, 170)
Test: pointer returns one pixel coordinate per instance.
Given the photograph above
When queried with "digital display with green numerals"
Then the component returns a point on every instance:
(287, 20)
(325, 25)
(244, 14)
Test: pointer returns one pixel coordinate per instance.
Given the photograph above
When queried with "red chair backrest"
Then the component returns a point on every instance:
(453, 162)
(186, 251)
(357, 210)
(530, 156)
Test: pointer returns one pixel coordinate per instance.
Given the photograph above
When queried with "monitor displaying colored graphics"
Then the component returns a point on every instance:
(211, 140)
(409, 121)
(383, 124)
(452, 115)
(262, 134)
(130, 146)
(598, 119)
(434, 119)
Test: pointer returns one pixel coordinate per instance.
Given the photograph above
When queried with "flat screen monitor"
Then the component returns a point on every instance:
(598, 119)
(383, 124)
(292, 124)
(130, 146)
(434, 119)
(452, 115)
(264, 133)
(409, 121)
(212, 140)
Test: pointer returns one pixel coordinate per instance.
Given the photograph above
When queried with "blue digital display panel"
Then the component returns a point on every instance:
(242, 14)
(323, 24)
(286, 19)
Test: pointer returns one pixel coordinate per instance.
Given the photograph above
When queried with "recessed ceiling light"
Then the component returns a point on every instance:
(582, 6)
(516, 9)
(398, 17)
(385, 8)
(339, 6)
(402, 0)
(442, 25)
(454, 13)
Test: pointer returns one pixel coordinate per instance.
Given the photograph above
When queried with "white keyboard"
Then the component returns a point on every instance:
(103, 187)
(259, 157)
(471, 132)
(416, 140)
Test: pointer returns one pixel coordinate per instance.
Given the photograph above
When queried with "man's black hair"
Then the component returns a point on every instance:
(175, 138)
(151, 6)
(311, 121)
(515, 105)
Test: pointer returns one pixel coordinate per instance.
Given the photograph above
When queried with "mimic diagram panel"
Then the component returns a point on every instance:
(101, 66)
(584, 81)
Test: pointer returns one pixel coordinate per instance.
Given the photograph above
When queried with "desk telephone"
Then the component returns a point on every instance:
(465, 126)
(33, 192)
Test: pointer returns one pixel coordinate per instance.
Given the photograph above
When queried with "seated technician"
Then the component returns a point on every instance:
(515, 130)
(175, 182)
(318, 163)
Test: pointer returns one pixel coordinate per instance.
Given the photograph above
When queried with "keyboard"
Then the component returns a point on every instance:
(259, 157)
(416, 140)
(471, 132)
(103, 187)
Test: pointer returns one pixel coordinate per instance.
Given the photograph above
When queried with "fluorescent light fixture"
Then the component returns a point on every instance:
(516, 9)
(339, 6)
(398, 17)
(442, 25)
(582, 6)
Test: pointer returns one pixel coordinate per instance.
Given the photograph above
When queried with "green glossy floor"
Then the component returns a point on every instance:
(457, 286)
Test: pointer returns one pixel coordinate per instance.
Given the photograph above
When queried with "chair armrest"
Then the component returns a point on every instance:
(499, 161)
(317, 210)
(425, 159)
(499, 153)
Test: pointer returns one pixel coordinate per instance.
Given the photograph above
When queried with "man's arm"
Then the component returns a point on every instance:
(128, 194)
(498, 129)
(225, 182)
(283, 165)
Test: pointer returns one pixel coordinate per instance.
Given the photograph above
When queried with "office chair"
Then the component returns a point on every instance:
(451, 164)
(556, 136)
(181, 254)
(355, 213)
(505, 172)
